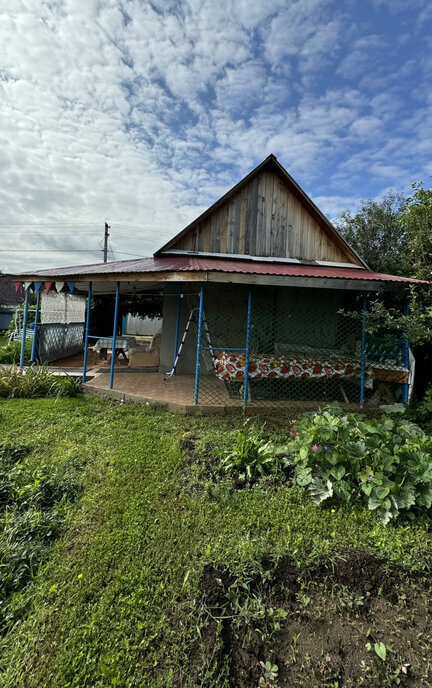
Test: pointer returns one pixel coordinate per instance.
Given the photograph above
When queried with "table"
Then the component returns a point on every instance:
(231, 367)
(123, 343)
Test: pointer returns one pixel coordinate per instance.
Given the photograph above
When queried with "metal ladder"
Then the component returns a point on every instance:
(193, 319)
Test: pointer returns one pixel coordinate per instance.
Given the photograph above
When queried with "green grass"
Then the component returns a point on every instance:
(117, 603)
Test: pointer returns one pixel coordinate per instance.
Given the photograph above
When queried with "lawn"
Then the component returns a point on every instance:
(164, 573)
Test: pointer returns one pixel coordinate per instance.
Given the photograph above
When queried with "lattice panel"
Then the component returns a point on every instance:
(57, 340)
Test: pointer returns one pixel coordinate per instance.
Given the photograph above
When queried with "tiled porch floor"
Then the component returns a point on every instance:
(178, 389)
(177, 394)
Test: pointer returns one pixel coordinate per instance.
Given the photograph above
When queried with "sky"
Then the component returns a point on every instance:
(143, 113)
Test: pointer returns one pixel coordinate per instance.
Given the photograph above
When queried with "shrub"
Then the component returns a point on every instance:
(12, 351)
(36, 382)
(421, 413)
(250, 456)
(386, 462)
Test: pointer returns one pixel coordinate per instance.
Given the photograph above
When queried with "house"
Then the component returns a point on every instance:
(254, 292)
(10, 299)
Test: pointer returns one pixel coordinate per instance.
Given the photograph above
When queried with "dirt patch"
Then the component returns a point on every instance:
(319, 627)
(361, 572)
(187, 444)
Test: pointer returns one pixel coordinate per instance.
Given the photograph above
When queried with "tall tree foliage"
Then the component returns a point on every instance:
(394, 235)
(376, 233)
(416, 224)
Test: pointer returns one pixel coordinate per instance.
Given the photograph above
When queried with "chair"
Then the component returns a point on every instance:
(145, 353)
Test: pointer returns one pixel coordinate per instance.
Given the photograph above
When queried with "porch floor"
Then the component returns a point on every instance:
(177, 394)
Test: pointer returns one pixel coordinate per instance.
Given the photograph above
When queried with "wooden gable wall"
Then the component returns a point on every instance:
(264, 218)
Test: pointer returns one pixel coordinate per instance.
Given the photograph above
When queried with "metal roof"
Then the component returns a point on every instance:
(164, 264)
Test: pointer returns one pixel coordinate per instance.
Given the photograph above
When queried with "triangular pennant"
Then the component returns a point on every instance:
(26, 285)
(37, 286)
(18, 286)
(71, 286)
(48, 286)
(59, 286)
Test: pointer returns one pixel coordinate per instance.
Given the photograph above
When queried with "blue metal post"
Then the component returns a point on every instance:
(24, 328)
(179, 303)
(405, 353)
(248, 331)
(87, 328)
(198, 354)
(35, 330)
(116, 308)
(363, 351)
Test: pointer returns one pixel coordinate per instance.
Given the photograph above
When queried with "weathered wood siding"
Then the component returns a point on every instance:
(264, 218)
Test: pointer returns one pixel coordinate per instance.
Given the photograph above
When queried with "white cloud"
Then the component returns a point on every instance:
(303, 30)
(144, 113)
(365, 126)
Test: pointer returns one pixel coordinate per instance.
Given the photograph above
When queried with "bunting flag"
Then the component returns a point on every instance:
(17, 286)
(37, 286)
(71, 286)
(27, 284)
(48, 286)
(59, 286)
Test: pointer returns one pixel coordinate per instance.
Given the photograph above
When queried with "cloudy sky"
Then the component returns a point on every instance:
(143, 112)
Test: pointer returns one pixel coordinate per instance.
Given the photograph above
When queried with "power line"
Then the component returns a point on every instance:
(50, 233)
(51, 224)
(122, 253)
(118, 224)
(111, 249)
(134, 231)
(51, 250)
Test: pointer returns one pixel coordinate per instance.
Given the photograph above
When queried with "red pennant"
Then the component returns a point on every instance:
(48, 286)
(17, 286)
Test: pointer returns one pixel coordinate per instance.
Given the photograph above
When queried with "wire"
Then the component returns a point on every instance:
(118, 224)
(51, 250)
(111, 249)
(51, 224)
(122, 253)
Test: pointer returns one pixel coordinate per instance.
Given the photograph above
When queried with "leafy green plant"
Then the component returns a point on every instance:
(386, 462)
(421, 413)
(251, 456)
(269, 675)
(35, 382)
(12, 351)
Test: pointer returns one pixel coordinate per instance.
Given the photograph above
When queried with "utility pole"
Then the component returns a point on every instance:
(106, 235)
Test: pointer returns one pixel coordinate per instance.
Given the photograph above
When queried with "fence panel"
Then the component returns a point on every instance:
(304, 350)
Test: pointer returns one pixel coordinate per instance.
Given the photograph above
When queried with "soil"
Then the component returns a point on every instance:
(330, 618)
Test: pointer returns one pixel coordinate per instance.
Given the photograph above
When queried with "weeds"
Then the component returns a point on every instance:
(119, 598)
(250, 456)
(34, 501)
(35, 382)
(269, 675)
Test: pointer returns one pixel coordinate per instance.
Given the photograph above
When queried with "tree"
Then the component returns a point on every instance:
(416, 224)
(394, 236)
(376, 233)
